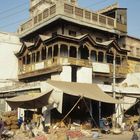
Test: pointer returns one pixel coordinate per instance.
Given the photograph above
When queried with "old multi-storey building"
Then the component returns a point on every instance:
(64, 42)
(61, 37)
(133, 45)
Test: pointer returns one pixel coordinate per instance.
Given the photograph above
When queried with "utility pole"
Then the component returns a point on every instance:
(114, 74)
(113, 86)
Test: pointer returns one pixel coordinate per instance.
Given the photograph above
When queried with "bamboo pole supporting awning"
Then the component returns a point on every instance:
(91, 91)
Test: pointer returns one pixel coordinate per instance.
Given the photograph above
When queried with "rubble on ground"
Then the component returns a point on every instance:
(11, 120)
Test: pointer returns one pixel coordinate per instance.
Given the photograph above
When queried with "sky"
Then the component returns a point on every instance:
(15, 12)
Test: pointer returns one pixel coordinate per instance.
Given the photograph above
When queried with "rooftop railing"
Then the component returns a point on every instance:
(68, 11)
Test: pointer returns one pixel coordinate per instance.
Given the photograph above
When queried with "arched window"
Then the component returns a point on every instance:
(33, 57)
(83, 52)
(118, 60)
(73, 52)
(100, 56)
(64, 51)
(28, 59)
(55, 50)
(109, 58)
(24, 60)
(93, 55)
(50, 52)
(43, 53)
(38, 56)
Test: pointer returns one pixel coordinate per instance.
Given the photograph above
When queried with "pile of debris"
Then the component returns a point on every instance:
(11, 120)
(61, 132)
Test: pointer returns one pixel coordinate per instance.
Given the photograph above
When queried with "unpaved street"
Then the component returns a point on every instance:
(124, 136)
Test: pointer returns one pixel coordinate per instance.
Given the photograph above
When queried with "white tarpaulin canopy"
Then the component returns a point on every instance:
(91, 91)
(29, 101)
(53, 94)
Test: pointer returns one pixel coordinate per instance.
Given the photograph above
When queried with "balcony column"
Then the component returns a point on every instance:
(68, 51)
(89, 57)
(52, 51)
(58, 59)
(97, 55)
(104, 59)
(59, 45)
(46, 52)
(25, 59)
(35, 57)
(121, 60)
(30, 57)
(77, 55)
(40, 55)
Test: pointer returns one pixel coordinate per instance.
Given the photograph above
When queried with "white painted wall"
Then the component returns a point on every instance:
(129, 100)
(8, 61)
(65, 75)
(84, 75)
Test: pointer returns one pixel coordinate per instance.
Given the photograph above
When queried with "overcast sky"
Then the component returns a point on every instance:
(14, 12)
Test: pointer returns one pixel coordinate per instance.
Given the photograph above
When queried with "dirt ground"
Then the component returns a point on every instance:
(123, 136)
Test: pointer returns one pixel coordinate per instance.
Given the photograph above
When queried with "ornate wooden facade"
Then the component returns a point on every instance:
(47, 54)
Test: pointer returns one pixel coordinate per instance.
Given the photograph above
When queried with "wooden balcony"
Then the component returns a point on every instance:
(120, 70)
(48, 66)
(71, 13)
(55, 64)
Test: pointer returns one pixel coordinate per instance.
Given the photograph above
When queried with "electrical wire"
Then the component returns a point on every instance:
(13, 23)
(13, 8)
(13, 14)
(97, 3)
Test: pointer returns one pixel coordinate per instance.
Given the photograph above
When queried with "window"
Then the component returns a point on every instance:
(72, 33)
(33, 57)
(38, 56)
(64, 51)
(63, 29)
(55, 51)
(73, 52)
(50, 52)
(138, 52)
(28, 59)
(131, 50)
(100, 57)
(43, 53)
(118, 60)
(93, 56)
(109, 58)
(24, 60)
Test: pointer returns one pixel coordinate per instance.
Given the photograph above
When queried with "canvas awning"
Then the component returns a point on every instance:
(91, 91)
(29, 101)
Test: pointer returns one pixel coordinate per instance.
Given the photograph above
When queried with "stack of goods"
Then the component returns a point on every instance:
(11, 120)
